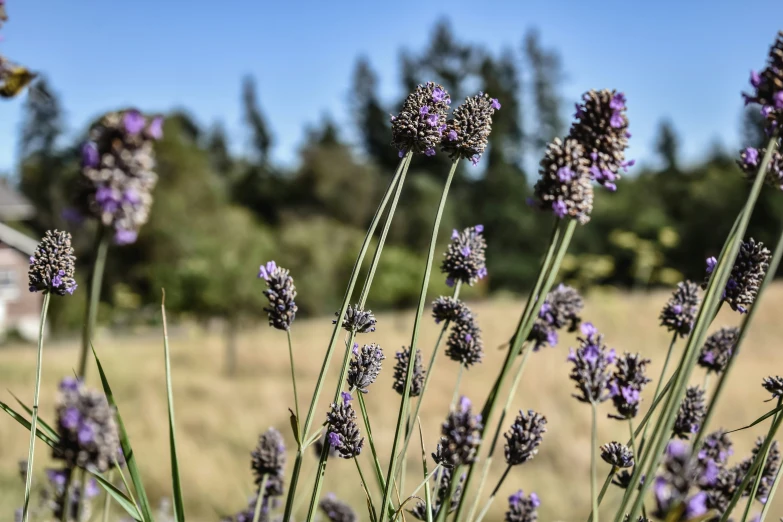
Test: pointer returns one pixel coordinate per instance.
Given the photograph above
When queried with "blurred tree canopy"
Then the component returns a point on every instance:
(218, 215)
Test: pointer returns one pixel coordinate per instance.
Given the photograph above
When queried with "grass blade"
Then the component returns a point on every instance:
(127, 450)
(49, 441)
(45, 426)
(123, 500)
(760, 419)
(179, 509)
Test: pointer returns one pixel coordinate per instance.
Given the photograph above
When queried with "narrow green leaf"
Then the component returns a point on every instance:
(179, 509)
(295, 427)
(127, 450)
(119, 496)
(760, 419)
(24, 422)
(47, 428)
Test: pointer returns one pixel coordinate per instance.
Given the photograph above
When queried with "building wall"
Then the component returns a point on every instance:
(19, 308)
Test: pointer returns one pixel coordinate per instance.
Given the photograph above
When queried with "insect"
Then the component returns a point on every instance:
(13, 79)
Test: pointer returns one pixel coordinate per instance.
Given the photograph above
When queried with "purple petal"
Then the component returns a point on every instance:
(134, 122)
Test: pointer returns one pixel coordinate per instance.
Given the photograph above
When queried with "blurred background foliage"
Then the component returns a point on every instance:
(219, 213)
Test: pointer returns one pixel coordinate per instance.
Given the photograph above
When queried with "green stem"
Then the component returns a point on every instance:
(488, 462)
(492, 496)
(366, 488)
(744, 328)
(632, 439)
(427, 376)
(759, 475)
(445, 506)
(756, 468)
(293, 380)
(93, 302)
(335, 331)
(107, 499)
(82, 494)
(601, 493)
(561, 238)
(658, 386)
(260, 498)
(65, 506)
(401, 418)
(455, 393)
(34, 419)
(376, 461)
(771, 495)
(707, 311)
(594, 463)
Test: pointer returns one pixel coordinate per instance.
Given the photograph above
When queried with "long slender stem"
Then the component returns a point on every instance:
(401, 416)
(594, 462)
(771, 495)
(335, 331)
(65, 505)
(427, 376)
(492, 496)
(82, 494)
(632, 438)
(707, 311)
(759, 475)
(660, 383)
(756, 468)
(260, 498)
(366, 487)
(34, 419)
(445, 507)
(93, 302)
(376, 461)
(488, 462)
(293, 380)
(107, 499)
(744, 328)
(561, 238)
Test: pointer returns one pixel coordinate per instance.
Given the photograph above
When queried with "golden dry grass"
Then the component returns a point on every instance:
(219, 419)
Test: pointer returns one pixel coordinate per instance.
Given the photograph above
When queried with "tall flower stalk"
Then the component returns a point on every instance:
(52, 268)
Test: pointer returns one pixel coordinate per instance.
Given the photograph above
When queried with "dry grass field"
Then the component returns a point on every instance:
(219, 419)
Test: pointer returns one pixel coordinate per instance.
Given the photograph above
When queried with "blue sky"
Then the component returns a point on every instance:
(685, 61)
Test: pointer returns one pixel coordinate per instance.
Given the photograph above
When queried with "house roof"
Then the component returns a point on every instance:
(17, 240)
(13, 205)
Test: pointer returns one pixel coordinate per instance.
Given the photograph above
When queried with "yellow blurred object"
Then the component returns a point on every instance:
(14, 80)
(669, 276)
(668, 237)
(624, 239)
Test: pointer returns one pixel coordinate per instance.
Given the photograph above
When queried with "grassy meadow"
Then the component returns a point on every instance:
(219, 419)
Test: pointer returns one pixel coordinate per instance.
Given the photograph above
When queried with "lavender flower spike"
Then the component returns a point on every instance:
(768, 86)
(419, 125)
(627, 384)
(465, 259)
(53, 264)
(281, 294)
(591, 366)
(692, 412)
(468, 131)
(680, 311)
(365, 367)
(524, 437)
(564, 186)
(522, 508)
(717, 349)
(342, 431)
(461, 437)
(746, 276)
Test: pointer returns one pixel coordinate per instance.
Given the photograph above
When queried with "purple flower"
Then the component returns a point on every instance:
(479, 229)
(778, 100)
(588, 330)
(69, 384)
(432, 120)
(90, 156)
(155, 129)
(266, 271)
(91, 489)
(57, 477)
(755, 79)
(696, 506)
(430, 151)
(751, 156)
(346, 398)
(495, 104)
(424, 111)
(559, 208)
(85, 434)
(125, 237)
(401, 153)
(465, 251)
(106, 199)
(618, 101)
(133, 121)
(565, 174)
(438, 94)
(452, 135)
(334, 439)
(711, 264)
(131, 196)
(70, 418)
(616, 120)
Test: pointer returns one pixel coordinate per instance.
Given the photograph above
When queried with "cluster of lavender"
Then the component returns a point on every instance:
(422, 124)
(691, 413)
(750, 163)
(465, 260)
(560, 309)
(591, 362)
(365, 366)
(336, 510)
(118, 165)
(464, 344)
(594, 150)
(680, 311)
(342, 432)
(717, 349)
(87, 431)
(768, 87)
(522, 508)
(357, 320)
(281, 293)
(401, 370)
(443, 479)
(746, 275)
(52, 502)
(52, 265)
(628, 381)
(524, 437)
(268, 465)
(461, 437)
